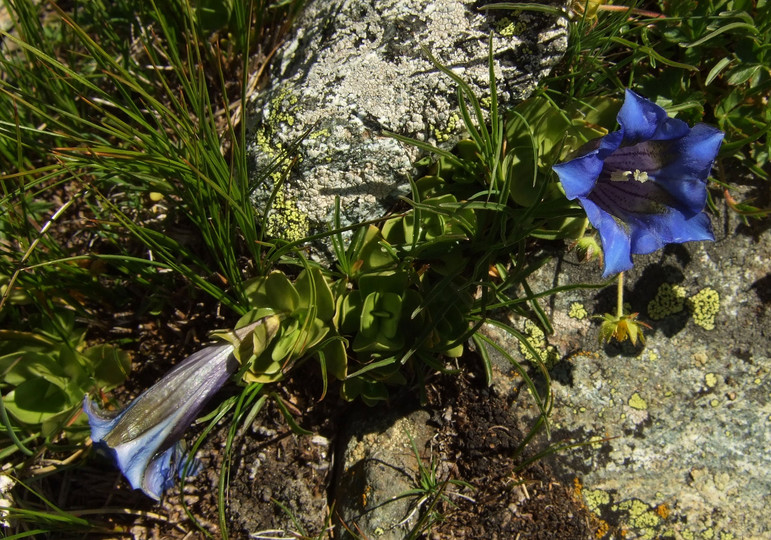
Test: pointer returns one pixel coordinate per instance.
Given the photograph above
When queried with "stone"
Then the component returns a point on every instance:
(354, 70)
(379, 466)
(676, 432)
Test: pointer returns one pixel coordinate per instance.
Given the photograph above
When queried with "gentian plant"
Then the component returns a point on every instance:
(642, 187)
(645, 185)
(144, 438)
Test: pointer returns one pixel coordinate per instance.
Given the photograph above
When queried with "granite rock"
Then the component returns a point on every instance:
(676, 432)
(354, 69)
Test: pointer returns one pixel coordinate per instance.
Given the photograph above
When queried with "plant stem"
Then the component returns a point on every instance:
(620, 296)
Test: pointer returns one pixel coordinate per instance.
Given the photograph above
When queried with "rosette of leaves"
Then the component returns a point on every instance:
(392, 324)
(300, 326)
(45, 373)
(437, 228)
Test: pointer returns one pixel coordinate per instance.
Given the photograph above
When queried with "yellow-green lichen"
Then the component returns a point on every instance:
(704, 305)
(577, 311)
(443, 135)
(537, 339)
(640, 516)
(710, 379)
(281, 111)
(669, 299)
(714, 403)
(507, 28)
(708, 533)
(286, 220)
(637, 402)
(320, 133)
(596, 498)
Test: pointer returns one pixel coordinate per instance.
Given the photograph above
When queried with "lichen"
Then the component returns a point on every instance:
(669, 300)
(443, 135)
(710, 379)
(285, 219)
(577, 311)
(704, 305)
(280, 111)
(537, 339)
(637, 402)
(596, 498)
(507, 28)
(641, 517)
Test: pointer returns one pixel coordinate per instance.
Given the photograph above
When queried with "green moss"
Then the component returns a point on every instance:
(703, 306)
(669, 299)
(577, 311)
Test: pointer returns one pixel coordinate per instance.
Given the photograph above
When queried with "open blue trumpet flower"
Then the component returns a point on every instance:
(144, 438)
(645, 185)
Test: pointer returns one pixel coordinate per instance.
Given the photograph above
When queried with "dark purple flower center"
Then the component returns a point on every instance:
(628, 184)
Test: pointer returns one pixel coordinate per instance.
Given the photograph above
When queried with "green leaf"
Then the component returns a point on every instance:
(36, 400)
(335, 358)
(274, 291)
(323, 301)
(110, 365)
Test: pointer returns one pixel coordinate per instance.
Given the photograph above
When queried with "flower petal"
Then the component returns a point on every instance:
(578, 176)
(651, 232)
(685, 177)
(643, 120)
(143, 438)
(616, 245)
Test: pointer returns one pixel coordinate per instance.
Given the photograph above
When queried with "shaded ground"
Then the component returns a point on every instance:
(280, 482)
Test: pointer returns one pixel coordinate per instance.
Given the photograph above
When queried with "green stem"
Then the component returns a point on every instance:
(620, 296)
(11, 434)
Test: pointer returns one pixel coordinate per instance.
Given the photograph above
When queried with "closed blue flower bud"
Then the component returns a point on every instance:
(645, 185)
(144, 438)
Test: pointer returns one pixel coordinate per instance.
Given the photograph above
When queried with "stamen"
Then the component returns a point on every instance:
(623, 176)
(620, 176)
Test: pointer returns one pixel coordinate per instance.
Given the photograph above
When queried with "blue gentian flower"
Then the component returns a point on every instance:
(645, 185)
(144, 438)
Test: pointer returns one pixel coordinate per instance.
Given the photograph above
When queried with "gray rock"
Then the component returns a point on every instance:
(679, 430)
(378, 466)
(354, 69)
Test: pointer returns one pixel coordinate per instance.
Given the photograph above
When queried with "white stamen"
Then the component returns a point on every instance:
(620, 176)
(623, 176)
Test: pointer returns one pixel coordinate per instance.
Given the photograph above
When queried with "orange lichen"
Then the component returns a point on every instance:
(602, 529)
(663, 511)
(578, 488)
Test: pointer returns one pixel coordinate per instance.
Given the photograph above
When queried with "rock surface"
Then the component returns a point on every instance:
(678, 431)
(379, 465)
(354, 69)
